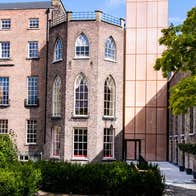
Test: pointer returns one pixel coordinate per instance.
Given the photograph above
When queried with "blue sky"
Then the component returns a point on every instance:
(177, 8)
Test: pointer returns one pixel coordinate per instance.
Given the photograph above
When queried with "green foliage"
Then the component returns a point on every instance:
(180, 42)
(114, 179)
(180, 56)
(16, 178)
(19, 179)
(188, 148)
(7, 150)
(183, 95)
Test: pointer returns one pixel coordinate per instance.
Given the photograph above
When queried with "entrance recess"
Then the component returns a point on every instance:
(132, 149)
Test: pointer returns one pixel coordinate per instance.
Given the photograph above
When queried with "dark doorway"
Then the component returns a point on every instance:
(132, 149)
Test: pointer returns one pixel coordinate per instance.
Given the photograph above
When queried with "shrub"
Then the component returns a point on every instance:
(7, 150)
(189, 148)
(114, 179)
(16, 178)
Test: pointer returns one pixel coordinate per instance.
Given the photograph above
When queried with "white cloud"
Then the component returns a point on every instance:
(115, 3)
(176, 20)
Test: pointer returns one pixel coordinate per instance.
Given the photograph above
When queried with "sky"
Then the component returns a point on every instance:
(177, 8)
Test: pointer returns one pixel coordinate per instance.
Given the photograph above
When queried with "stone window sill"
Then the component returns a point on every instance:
(110, 60)
(33, 58)
(56, 117)
(80, 117)
(57, 61)
(111, 118)
(81, 58)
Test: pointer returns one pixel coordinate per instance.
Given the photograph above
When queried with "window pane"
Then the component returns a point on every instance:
(3, 126)
(34, 23)
(81, 95)
(58, 50)
(109, 97)
(33, 49)
(108, 142)
(80, 142)
(5, 50)
(56, 141)
(56, 98)
(4, 91)
(5, 24)
(110, 49)
(31, 131)
(32, 91)
(82, 46)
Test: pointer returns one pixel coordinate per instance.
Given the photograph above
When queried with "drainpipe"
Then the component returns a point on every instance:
(46, 74)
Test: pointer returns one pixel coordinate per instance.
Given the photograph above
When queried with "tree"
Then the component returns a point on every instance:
(180, 56)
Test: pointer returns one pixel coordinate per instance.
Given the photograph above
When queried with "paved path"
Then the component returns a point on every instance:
(177, 183)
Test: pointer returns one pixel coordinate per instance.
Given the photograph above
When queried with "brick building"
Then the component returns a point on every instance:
(182, 129)
(23, 41)
(61, 81)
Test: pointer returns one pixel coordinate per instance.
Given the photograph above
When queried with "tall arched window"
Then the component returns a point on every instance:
(82, 46)
(81, 95)
(58, 51)
(109, 97)
(56, 97)
(110, 49)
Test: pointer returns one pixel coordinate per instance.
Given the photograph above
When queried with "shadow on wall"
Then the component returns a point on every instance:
(118, 145)
(37, 109)
(148, 125)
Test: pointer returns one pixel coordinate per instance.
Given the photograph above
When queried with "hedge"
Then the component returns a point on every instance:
(113, 179)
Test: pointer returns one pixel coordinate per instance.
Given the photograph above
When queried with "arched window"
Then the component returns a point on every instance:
(110, 49)
(56, 97)
(109, 97)
(82, 46)
(58, 51)
(81, 95)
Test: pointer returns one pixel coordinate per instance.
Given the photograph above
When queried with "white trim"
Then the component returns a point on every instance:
(84, 158)
(110, 60)
(56, 61)
(35, 57)
(31, 143)
(74, 113)
(29, 22)
(56, 89)
(113, 145)
(81, 58)
(52, 137)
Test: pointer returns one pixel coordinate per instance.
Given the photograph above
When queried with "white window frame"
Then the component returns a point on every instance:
(32, 91)
(113, 99)
(31, 133)
(35, 49)
(110, 49)
(33, 23)
(80, 156)
(56, 97)
(4, 89)
(56, 136)
(109, 142)
(7, 24)
(82, 42)
(5, 50)
(78, 80)
(58, 50)
(3, 126)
